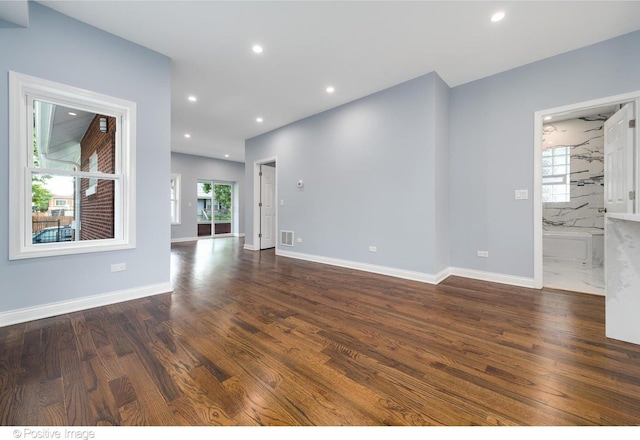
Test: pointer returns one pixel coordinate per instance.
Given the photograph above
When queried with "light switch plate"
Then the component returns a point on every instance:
(522, 194)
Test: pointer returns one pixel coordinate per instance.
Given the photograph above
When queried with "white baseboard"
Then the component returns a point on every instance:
(493, 277)
(411, 275)
(60, 308)
(381, 270)
(181, 240)
(250, 247)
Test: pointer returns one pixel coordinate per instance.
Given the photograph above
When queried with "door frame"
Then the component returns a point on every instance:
(256, 200)
(537, 165)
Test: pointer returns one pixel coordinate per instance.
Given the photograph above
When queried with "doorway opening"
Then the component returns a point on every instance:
(571, 179)
(265, 213)
(215, 208)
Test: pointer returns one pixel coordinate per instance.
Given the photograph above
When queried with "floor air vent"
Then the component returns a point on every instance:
(286, 238)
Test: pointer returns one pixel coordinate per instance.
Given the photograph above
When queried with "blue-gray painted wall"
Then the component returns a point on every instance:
(492, 146)
(57, 48)
(428, 173)
(370, 170)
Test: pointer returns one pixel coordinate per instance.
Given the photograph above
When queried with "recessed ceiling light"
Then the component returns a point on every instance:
(331, 89)
(497, 16)
(226, 155)
(257, 48)
(72, 114)
(258, 119)
(187, 135)
(192, 98)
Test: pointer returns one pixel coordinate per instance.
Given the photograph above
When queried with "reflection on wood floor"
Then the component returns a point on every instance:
(249, 338)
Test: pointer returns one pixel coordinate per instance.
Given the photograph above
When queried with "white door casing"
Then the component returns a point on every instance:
(618, 162)
(267, 207)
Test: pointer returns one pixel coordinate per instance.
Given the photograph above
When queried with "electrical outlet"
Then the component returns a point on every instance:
(483, 254)
(522, 194)
(119, 267)
(299, 240)
(373, 249)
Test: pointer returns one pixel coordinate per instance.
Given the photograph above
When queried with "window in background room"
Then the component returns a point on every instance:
(556, 175)
(175, 199)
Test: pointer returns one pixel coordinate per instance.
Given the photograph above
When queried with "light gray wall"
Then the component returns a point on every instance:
(191, 168)
(57, 48)
(448, 159)
(371, 169)
(492, 142)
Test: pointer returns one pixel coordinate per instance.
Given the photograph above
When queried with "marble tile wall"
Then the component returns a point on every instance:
(585, 137)
(623, 278)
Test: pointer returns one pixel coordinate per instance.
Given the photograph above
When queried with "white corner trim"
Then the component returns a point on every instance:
(493, 277)
(381, 270)
(60, 308)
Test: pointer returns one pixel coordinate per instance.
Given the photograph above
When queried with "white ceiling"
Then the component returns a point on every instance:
(359, 47)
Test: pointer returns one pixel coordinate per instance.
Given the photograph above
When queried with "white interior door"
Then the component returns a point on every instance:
(267, 207)
(618, 162)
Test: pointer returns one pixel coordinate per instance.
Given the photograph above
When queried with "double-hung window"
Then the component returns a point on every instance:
(76, 144)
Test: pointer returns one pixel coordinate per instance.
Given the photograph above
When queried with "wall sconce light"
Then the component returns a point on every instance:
(103, 125)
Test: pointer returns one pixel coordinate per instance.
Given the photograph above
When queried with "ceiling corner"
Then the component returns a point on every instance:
(15, 12)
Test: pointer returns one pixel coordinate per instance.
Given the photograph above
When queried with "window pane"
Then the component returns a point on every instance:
(547, 161)
(560, 169)
(223, 202)
(560, 160)
(174, 212)
(205, 190)
(65, 138)
(95, 211)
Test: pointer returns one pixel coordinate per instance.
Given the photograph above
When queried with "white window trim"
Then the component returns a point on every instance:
(22, 90)
(178, 179)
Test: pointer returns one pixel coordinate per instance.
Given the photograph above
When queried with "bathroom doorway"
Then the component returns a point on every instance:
(569, 197)
(573, 200)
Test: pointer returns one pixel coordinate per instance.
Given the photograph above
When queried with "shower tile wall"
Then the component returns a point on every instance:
(585, 137)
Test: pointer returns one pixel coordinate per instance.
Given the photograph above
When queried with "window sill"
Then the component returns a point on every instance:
(69, 248)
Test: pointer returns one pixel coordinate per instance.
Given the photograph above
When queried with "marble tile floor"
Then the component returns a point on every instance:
(566, 276)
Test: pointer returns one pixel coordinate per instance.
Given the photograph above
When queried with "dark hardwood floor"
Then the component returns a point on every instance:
(248, 338)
